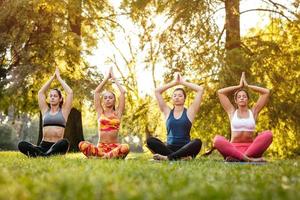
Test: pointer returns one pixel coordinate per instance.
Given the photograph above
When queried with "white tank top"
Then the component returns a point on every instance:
(243, 124)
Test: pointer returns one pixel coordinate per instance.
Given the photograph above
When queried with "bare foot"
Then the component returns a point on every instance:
(208, 152)
(186, 158)
(257, 159)
(232, 159)
(159, 157)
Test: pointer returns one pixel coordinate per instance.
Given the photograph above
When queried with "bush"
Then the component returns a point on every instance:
(8, 137)
(31, 133)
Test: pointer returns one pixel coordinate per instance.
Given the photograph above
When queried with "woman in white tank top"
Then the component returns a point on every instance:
(243, 146)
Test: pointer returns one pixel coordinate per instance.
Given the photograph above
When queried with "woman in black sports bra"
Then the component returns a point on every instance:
(55, 115)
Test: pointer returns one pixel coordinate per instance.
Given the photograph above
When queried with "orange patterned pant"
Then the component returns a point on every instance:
(104, 150)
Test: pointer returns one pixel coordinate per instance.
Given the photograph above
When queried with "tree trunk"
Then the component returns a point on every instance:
(74, 19)
(73, 131)
(147, 132)
(232, 24)
(236, 59)
(40, 129)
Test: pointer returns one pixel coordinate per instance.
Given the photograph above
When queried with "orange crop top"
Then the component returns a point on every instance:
(108, 123)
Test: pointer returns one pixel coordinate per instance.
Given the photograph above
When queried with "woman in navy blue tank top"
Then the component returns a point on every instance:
(178, 122)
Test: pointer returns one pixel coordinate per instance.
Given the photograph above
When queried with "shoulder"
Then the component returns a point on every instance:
(252, 111)
(100, 116)
(169, 113)
(65, 109)
(45, 111)
(118, 114)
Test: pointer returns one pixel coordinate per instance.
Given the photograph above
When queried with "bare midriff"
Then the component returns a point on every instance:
(242, 137)
(53, 133)
(108, 136)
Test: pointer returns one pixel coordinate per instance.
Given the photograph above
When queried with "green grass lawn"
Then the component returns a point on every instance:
(75, 177)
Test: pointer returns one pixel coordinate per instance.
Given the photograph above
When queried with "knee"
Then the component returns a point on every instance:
(124, 148)
(268, 135)
(197, 142)
(150, 141)
(217, 140)
(83, 145)
(22, 145)
(65, 142)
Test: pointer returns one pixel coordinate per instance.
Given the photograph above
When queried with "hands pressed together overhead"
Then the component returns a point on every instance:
(110, 74)
(243, 82)
(178, 79)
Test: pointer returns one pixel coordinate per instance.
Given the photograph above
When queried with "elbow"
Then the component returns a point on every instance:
(157, 91)
(220, 93)
(70, 92)
(201, 89)
(123, 92)
(40, 92)
(267, 93)
(96, 92)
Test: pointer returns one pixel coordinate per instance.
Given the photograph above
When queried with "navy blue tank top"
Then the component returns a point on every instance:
(178, 129)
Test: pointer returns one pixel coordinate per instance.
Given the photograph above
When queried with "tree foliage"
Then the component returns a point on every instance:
(192, 44)
(36, 36)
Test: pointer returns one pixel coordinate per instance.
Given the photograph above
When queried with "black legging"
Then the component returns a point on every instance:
(174, 152)
(45, 148)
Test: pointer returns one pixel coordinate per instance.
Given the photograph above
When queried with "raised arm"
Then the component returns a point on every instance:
(262, 100)
(158, 94)
(121, 106)
(67, 106)
(42, 97)
(194, 107)
(97, 99)
(223, 96)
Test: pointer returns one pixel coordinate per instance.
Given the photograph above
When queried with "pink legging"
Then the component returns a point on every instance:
(254, 149)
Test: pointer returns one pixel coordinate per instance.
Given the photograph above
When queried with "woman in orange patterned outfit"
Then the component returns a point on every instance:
(109, 118)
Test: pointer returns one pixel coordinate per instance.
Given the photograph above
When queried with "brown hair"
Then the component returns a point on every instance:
(182, 90)
(60, 96)
(239, 90)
